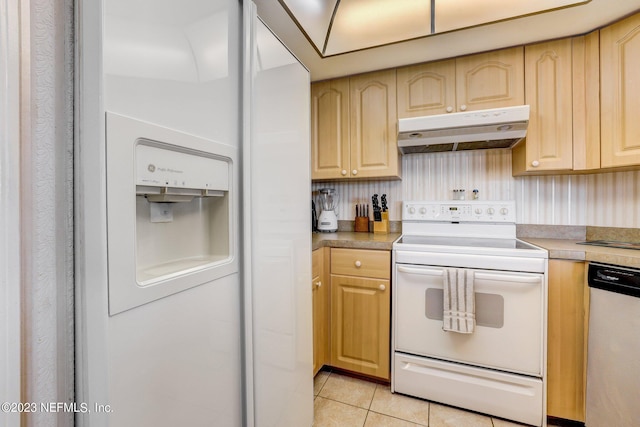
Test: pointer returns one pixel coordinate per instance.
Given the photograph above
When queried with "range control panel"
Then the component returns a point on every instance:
(458, 211)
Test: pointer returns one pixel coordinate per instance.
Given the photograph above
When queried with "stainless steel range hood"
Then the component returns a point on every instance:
(469, 130)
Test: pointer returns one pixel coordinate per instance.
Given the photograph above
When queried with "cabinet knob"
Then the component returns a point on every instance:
(318, 284)
(358, 264)
(382, 287)
(449, 109)
(344, 172)
(354, 172)
(463, 107)
(535, 163)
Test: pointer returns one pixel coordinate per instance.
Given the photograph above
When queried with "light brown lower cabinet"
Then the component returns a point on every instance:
(320, 285)
(360, 311)
(567, 339)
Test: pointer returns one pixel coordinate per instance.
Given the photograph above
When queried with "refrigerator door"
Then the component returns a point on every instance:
(175, 360)
(277, 239)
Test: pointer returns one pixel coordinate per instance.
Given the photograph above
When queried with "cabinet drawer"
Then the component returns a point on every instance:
(360, 262)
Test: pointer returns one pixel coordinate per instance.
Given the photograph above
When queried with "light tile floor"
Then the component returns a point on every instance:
(343, 401)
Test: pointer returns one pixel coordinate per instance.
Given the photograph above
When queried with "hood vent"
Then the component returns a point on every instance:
(469, 130)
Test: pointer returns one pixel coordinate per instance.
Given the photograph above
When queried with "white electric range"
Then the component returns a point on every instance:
(499, 368)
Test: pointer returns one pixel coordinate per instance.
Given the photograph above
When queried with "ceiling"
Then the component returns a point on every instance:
(367, 35)
(336, 27)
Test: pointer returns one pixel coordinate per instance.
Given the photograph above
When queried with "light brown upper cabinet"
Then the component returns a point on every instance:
(548, 92)
(475, 82)
(620, 91)
(490, 80)
(561, 87)
(586, 102)
(426, 89)
(374, 136)
(354, 131)
(330, 149)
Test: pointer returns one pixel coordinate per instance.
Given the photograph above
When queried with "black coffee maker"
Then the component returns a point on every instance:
(314, 217)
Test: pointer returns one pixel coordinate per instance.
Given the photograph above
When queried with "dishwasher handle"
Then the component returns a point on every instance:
(613, 278)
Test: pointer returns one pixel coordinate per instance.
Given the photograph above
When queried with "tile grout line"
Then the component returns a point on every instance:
(369, 410)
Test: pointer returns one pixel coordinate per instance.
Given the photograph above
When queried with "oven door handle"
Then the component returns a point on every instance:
(423, 271)
(529, 279)
(512, 278)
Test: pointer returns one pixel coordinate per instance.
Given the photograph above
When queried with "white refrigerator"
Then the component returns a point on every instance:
(192, 218)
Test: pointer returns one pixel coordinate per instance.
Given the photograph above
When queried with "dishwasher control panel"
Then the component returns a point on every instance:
(460, 211)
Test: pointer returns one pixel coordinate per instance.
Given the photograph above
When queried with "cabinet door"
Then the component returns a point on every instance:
(330, 129)
(374, 138)
(320, 291)
(490, 80)
(566, 336)
(620, 92)
(548, 91)
(586, 101)
(426, 89)
(360, 322)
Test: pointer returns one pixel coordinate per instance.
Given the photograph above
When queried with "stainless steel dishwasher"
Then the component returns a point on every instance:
(613, 359)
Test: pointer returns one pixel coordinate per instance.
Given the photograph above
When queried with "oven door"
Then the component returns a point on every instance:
(509, 319)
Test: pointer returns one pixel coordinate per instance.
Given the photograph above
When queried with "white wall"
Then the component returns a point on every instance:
(47, 208)
(36, 183)
(10, 274)
(609, 199)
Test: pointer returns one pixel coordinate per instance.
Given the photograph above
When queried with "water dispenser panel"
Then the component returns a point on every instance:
(171, 211)
(160, 166)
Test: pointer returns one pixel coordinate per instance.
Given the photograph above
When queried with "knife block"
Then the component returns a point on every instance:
(362, 224)
(382, 227)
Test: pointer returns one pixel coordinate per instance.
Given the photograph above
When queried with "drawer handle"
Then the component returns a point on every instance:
(382, 287)
(358, 264)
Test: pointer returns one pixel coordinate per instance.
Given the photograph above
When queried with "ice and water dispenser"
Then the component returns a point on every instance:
(170, 211)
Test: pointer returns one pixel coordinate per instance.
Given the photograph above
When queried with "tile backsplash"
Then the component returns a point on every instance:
(605, 199)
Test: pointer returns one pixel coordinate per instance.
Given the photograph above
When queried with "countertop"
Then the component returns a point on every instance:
(558, 248)
(571, 250)
(353, 240)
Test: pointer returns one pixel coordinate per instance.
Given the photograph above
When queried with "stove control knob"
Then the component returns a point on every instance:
(412, 210)
(478, 211)
(423, 211)
(504, 211)
(491, 211)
